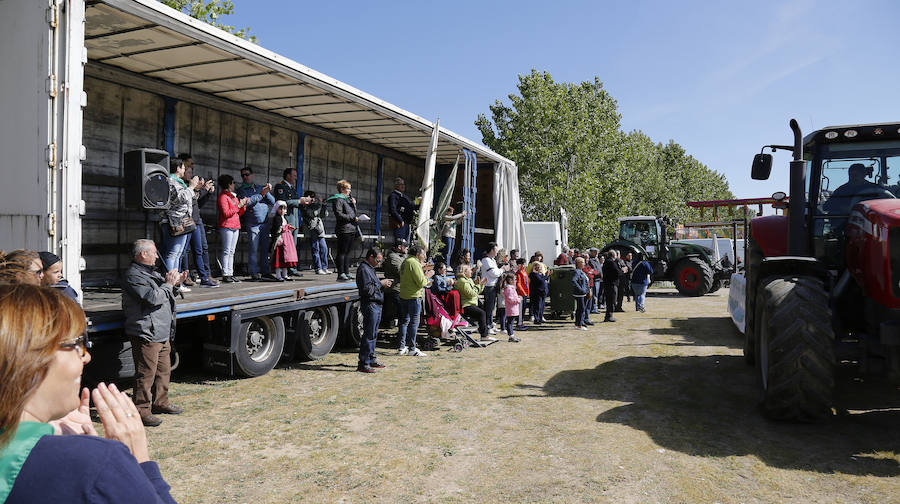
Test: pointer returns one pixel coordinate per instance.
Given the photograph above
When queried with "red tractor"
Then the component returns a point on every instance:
(823, 281)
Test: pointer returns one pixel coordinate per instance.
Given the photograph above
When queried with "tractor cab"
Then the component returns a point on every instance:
(645, 231)
(842, 174)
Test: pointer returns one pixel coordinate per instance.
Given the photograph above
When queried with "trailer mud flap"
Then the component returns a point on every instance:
(737, 299)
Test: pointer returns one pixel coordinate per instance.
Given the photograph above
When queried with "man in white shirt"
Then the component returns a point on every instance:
(492, 273)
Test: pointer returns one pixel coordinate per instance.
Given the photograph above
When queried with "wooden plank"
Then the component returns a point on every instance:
(102, 128)
(257, 154)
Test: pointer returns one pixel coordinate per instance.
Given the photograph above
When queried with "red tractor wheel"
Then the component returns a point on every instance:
(693, 277)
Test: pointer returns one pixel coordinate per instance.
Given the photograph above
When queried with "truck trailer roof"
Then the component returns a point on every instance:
(148, 38)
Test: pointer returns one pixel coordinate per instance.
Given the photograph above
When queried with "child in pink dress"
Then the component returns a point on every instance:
(284, 250)
(511, 299)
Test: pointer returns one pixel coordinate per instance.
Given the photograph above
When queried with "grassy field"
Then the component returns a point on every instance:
(658, 407)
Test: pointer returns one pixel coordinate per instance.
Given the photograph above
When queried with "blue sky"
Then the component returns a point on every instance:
(720, 78)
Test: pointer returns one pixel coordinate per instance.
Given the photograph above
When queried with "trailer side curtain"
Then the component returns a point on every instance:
(509, 225)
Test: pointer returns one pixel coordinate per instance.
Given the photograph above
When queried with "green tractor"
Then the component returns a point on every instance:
(692, 268)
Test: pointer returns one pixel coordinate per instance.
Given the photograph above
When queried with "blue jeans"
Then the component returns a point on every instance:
(319, 253)
(197, 243)
(172, 247)
(371, 319)
(640, 293)
(580, 312)
(259, 249)
(449, 242)
(402, 233)
(598, 296)
(410, 309)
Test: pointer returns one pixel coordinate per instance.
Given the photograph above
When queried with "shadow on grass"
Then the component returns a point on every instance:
(702, 331)
(707, 406)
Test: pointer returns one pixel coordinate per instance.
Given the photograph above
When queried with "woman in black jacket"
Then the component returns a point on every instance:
(346, 229)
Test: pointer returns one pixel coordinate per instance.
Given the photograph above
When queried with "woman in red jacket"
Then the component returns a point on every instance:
(522, 289)
(230, 210)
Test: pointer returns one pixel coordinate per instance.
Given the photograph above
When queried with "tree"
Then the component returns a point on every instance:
(209, 11)
(566, 140)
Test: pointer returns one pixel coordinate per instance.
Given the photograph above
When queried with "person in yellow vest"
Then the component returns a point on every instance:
(413, 280)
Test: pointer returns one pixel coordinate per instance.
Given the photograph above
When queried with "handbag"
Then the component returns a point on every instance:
(182, 227)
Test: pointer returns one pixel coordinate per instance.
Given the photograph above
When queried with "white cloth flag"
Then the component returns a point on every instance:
(424, 223)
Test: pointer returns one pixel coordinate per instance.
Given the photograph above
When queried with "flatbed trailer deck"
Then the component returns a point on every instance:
(243, 328)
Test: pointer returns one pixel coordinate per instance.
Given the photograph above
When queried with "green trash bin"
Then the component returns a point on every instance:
(562, 304)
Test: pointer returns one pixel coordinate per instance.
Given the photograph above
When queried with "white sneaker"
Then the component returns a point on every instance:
(415, 352)
(321, 272)
(583, 328)
(403, 351)
(184, 289)
(492, 331)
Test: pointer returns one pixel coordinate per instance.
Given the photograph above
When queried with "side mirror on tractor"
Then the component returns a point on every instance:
(762, 167)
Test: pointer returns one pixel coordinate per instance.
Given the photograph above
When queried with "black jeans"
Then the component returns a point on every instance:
(476, 314)
(537, 307)
(344, 244)
(490, 303)
(610, 290)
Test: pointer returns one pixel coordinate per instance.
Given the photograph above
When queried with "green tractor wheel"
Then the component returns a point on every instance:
(693, 277)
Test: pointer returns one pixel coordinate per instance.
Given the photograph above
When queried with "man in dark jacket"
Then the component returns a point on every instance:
(401, 208)
(148, 303)
(612, 275)
(197, 240)
(371, 299)
(624, 280)
(391, 268)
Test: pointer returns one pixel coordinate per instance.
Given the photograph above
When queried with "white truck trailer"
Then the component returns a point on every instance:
(86, 81)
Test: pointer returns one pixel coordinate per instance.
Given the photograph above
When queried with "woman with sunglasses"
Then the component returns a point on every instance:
(43, 350)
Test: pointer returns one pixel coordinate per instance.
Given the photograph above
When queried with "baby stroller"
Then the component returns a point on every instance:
(442, 326)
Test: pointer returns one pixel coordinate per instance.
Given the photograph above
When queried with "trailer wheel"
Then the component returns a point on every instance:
(795, 348)
(259, 346)
(693, 277)
(318, 332)
(353, 327)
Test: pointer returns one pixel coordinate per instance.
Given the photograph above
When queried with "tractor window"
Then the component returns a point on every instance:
(892, 177)
(841, 186)
(641, 232)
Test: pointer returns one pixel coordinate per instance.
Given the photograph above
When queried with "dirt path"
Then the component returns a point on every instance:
(658, 407)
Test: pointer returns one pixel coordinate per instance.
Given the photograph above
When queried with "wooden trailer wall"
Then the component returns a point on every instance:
(119, 118)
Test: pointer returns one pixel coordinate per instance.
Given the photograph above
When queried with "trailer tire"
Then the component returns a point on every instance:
(259, 346)
(795, 349)
(353, 326)
(693, 277)
(716, 285)
(318, 332)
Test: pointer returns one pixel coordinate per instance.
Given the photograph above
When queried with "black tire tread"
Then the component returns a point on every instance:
(800, 348)
(716, 285)
(702, 267)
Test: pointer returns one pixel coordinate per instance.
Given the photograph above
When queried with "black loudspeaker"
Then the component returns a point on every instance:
(147, 179)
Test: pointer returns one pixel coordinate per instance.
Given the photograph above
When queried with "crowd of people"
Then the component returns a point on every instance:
(494, 294)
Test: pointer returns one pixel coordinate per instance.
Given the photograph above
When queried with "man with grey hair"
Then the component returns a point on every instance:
(563, 257)
(148, 302)
(401, 209)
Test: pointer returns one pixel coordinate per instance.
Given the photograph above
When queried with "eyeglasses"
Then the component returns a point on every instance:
(82, 343)
(245, 174)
